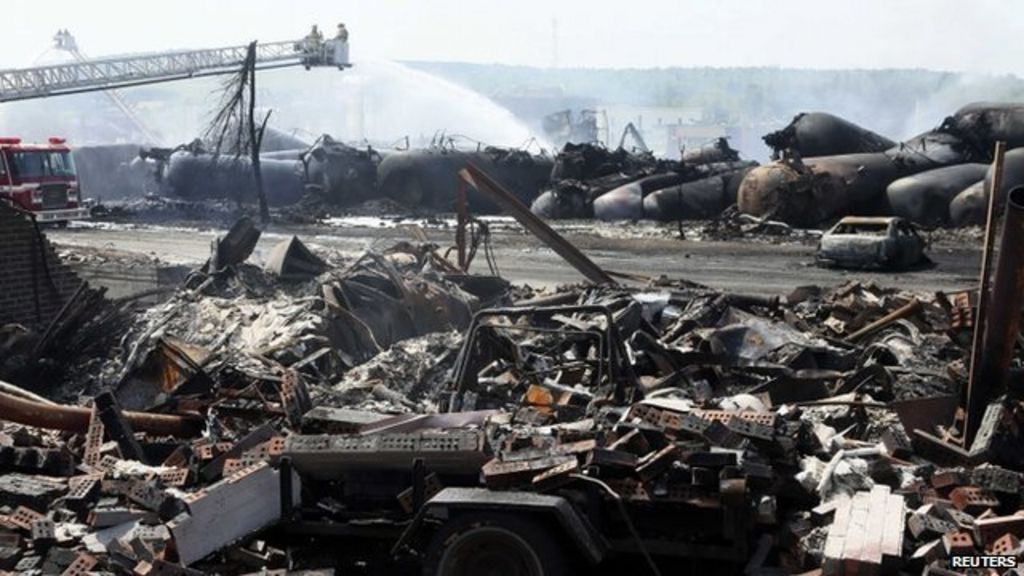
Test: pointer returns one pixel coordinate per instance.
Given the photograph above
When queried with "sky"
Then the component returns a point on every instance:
(958, 35)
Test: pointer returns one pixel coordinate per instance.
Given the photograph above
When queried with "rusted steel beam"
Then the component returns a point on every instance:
(909, 309)
(76, 418)
(973, 403)
(1002, 318)
(476, 178)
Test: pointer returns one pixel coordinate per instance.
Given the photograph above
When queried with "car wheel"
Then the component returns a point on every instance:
(494, 545)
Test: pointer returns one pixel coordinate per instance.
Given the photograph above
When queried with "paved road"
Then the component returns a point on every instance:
(749, 266)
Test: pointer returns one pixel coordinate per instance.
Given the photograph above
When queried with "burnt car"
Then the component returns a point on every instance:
(872, 242)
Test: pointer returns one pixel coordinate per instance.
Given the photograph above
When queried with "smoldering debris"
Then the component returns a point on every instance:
(256, 419)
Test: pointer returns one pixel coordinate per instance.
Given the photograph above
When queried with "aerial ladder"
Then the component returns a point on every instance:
(52, 193)
(109, 73)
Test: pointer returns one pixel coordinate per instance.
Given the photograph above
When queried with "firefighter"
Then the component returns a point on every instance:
(314, 39)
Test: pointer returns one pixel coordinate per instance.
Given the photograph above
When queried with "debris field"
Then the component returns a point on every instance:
(322, 415)
(309, 409)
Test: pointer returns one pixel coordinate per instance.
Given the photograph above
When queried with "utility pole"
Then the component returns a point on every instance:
(256, 135)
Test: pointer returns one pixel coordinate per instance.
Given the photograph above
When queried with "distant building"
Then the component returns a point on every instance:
(657, 124)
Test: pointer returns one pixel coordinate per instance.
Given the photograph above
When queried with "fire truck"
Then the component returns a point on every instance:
(41, 179)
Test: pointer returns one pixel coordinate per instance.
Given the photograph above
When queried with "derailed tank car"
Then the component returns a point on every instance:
(340, 174)
(337, 173)
(924, 198)
(627, 202)
(821, 134)
(985, 123)
(813, 191)
(707, 189)
(584, 172)
(716, 151)
(970, 205)
(199, 176)
(429, 178)
(704, 198)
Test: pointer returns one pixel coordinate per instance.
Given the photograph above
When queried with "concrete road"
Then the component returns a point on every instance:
(746, 265)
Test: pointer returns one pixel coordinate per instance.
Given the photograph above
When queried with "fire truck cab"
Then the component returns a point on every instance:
(41, 178)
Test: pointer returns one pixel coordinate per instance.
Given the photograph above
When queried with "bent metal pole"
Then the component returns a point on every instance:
(971, 406)
(1002, 321)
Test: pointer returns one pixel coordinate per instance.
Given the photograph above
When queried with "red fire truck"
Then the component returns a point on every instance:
(41, 179)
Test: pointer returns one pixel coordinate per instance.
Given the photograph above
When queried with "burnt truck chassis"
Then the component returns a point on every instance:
(446, 521)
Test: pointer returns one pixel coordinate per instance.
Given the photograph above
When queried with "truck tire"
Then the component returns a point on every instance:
(494, 545)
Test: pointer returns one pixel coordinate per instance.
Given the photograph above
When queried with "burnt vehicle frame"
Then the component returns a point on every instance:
(872, 242)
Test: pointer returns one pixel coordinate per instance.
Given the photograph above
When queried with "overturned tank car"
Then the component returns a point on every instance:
(428, 178)
(716, 151)
(338, 173)
(584, 172)
(816, 190)
(985, 123)
(970, 206)
(704, 198)
(591, 181)
(627, 201)
(200, 175)
(822, 134)
(688, 192)
(924, 198)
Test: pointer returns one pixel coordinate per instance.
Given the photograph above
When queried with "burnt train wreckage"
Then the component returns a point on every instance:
(928, 179)
(827, 168)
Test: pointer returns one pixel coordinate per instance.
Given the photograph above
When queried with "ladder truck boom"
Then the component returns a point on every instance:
(90, 75)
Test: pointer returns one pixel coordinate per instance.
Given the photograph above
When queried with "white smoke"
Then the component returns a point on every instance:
(384, 101)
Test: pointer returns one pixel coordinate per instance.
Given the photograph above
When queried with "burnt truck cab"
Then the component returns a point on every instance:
(884, 242)
(41, 179)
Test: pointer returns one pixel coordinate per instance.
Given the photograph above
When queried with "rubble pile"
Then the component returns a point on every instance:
(732, 224)
(259, 412)
(298, 312)
(238, 344)
(402, 379)
(698, 344)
